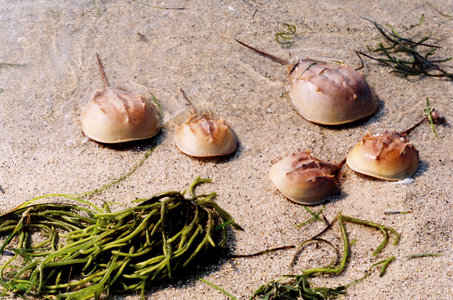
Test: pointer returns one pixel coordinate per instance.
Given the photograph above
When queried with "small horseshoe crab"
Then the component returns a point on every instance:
(115, 115)
(305, 179)
(389, 156)
(201, 136)
(326, 94)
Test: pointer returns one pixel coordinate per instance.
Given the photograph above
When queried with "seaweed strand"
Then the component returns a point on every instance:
(90, 252)
(402, 54)
(298, 286)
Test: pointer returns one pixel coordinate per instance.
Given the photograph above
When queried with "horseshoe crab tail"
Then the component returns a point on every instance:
(101, 69)
(279, 60)
(340, 164)
(194, 110)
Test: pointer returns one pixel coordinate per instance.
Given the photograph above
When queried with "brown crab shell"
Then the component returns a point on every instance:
(330, 94)
(115, 115)
(304, 179)
(201, 136)
(389, 156)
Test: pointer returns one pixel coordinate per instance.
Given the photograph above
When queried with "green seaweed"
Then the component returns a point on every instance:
(11, 65)
(439, 11)
(423, 255)
(403, 56)
(315, 216)
(122, 177)
(298, 286)
(218, 288)
(96, 6)
(91, 251)
(285, 38)
(385, 263)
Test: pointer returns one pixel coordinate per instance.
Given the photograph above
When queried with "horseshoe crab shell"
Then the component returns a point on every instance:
(389, 156)
(304, 179)
(330, 94)
(326, 94)
(115, 115)
(201, 136)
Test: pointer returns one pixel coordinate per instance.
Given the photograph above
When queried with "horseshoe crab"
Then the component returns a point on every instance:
(304, 179)
(116, 115)
(389, 156)
(326, 94)
(202, 136)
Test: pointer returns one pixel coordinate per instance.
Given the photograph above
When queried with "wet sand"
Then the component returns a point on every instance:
(43, 149)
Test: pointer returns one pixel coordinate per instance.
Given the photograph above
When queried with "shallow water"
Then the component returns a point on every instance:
(43, 149)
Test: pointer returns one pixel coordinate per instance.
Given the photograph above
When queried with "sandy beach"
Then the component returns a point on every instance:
(150, 50)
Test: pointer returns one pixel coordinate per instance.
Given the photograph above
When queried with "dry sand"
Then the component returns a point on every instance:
(43, 150)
